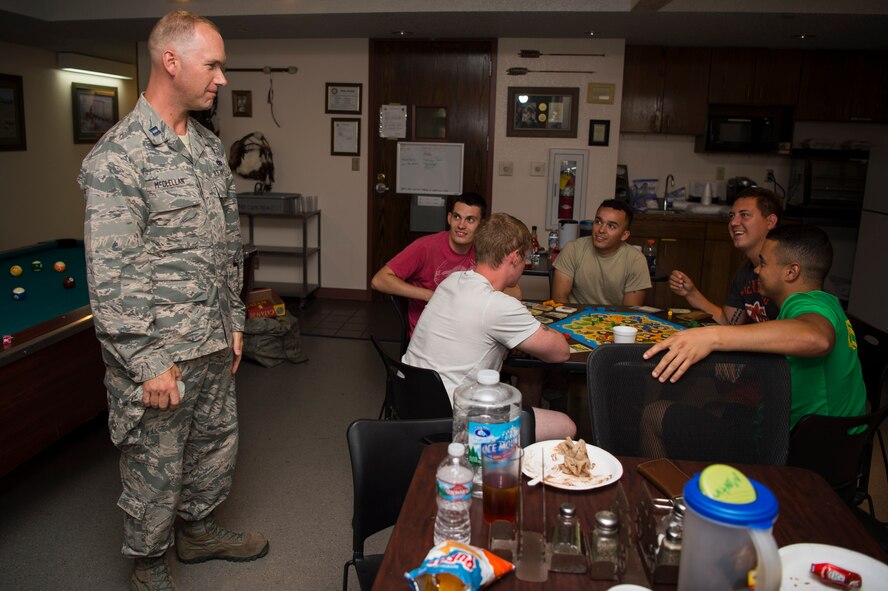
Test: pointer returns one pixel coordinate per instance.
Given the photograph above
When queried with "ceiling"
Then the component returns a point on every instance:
(112, 28)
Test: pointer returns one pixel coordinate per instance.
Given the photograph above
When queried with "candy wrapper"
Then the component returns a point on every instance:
(451, 566)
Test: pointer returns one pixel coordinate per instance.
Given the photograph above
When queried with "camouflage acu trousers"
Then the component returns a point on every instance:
(173, 462)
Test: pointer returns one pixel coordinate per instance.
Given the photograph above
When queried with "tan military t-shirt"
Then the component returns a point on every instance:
(599, 279)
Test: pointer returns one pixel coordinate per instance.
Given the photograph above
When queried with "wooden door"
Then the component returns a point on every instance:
(456, 75)
(685, 87)
(643, 70)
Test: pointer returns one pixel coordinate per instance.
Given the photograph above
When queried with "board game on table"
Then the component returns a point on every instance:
(593, 325)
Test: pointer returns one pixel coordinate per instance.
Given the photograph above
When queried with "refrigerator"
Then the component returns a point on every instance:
(869, 283)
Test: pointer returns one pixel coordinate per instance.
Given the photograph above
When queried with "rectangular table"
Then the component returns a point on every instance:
(810, 512)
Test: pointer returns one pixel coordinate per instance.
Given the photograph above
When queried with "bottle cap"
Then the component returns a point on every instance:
(488, 377)
(607, 521)
(568, 510)
(456, 449)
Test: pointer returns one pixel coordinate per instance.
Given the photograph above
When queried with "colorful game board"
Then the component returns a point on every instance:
(594, 326)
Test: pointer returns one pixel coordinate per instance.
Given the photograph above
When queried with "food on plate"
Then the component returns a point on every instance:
(576, 460)
(452, 566)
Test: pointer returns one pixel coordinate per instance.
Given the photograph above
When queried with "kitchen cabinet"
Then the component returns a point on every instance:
(302, 254)
(699, 246)
(664, 90)
(747, 76)
(843, 86)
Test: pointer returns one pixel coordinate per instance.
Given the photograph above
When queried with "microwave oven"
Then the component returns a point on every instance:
(827, 183)
(746, 129)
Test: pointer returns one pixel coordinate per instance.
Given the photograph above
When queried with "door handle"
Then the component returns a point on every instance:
(380, 187)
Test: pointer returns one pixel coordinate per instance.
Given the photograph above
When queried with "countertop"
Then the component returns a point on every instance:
(673, 215)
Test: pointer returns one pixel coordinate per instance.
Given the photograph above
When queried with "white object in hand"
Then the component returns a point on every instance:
(625, 334)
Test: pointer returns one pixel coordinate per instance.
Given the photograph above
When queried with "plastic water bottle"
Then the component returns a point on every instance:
(454, 497)
(650, 253)
(486, 412)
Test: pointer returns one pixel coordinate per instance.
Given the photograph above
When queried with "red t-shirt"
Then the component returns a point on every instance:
(426, 262)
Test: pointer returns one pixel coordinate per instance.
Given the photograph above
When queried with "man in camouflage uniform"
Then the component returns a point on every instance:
(163, 251)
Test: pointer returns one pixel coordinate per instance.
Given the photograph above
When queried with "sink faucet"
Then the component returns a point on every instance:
(670, 182)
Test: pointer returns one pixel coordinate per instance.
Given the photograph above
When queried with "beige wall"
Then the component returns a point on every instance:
(41, 200)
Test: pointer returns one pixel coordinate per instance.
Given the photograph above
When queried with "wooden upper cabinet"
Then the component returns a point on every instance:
(841, 86)
(664, 90)
(744, 76)
(684, 90)
(643, 70)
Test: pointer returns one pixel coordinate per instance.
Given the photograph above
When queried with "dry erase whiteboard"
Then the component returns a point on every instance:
(430, 169)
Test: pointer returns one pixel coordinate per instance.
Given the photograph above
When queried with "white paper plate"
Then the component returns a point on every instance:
(606, 469)
(798, 558)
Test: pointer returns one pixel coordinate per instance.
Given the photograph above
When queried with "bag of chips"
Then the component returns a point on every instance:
(451, 566)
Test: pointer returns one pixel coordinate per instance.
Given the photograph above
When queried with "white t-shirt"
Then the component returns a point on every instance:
(467, 326)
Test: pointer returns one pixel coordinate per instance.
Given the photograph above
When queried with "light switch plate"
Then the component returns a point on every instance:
(506, 168)
(356, 163)
(537, 169)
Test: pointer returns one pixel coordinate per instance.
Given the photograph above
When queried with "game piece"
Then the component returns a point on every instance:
(68, 282)
(15, 270)
(36, 266)
(7, 341)
(18, 293)
(543, 307)
(566, 309)
(59, 266)
(544, 320)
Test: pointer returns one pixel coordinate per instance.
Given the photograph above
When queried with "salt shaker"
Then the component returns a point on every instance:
(566, 533)
(604, 551)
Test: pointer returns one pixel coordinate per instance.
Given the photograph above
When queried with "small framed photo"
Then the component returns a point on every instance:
(343, 97)
(12, 114)
(601, 93)
(599, 132)
(542, 112)
(242, 103)
(345, 137)
(94, 111)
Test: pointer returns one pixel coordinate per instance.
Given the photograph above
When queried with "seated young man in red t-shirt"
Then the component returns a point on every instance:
(416, 271)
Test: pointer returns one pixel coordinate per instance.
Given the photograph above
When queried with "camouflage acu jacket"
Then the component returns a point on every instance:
(163, 244)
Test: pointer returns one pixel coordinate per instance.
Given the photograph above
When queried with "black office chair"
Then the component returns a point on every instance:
(872, 350)
(400, 305)
(412, 392)
(830, 447)
(729, 407)
(384, 455)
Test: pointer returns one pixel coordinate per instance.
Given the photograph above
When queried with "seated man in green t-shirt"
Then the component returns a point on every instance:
(812, 331)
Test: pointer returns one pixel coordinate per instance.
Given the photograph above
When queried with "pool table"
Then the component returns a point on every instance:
(52, 373)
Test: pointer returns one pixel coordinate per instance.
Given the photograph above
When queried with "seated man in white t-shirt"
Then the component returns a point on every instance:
(603, 268)
(470, 324)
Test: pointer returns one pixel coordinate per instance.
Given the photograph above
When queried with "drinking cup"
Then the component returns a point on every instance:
(625, 334)
(500, 481)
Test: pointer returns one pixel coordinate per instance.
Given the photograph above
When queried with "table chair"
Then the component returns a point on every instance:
(729, 407)
(384, 455)
(872, 350)
(400, 305)
(412, 392)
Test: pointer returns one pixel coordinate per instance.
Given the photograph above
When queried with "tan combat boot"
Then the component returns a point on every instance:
(152, 574)
(199, 541)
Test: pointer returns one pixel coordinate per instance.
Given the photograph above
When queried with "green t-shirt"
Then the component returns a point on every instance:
(831, 385)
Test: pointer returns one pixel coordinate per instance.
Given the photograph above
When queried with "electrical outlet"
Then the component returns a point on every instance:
(506, 168)
(719, 173)
(537, 169)
(769, 176)
(356, 163)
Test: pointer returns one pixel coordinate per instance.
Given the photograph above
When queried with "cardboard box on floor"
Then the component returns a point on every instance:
(264, 303)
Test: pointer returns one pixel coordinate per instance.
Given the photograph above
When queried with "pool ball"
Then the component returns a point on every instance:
(68, 282)
(36, 266)
(59, 266)
(15, 270)
(18, 293)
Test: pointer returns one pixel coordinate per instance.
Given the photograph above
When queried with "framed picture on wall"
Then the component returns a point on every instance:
(12, 113)
(94, 111)
(343, 97)
(542, 112)
(599, 132)
(345, 137)
(241, 103)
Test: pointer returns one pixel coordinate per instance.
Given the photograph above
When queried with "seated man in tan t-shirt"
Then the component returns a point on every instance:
(602, 268)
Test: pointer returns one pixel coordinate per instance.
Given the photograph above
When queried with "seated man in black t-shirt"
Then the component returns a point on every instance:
(754, 213)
